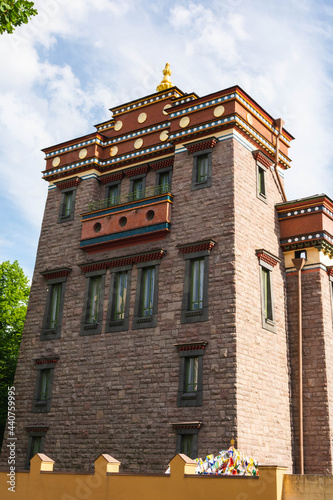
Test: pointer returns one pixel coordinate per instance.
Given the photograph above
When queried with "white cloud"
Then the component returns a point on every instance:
(76, 59)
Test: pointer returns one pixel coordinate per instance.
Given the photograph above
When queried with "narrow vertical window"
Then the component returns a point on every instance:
(261, 182)
(43, 388)
(36, 443)
(148, 291)
(138, 189)
(66, 212)
(93, 310)
(191, 378)
(187, 445)
(164, 183)
(54, 303)
(202, 168)
(94, 300)
(44, 384)
(197, 284)
(121, 294)
(146, 298)
(112, 195)
(267, 294)
(53, 318)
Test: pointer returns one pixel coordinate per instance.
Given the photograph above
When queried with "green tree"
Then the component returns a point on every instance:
(14, 13)
(14, 294)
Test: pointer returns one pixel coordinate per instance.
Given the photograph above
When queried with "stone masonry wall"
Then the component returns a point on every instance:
(263, 402)
(317, 344)
(116, 393)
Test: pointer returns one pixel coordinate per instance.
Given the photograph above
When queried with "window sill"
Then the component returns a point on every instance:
(91, 326)
(194, 313)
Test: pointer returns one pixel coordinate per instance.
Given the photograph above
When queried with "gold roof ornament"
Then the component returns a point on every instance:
(166, 82)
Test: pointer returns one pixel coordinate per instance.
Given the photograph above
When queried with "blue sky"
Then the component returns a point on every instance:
(62, 72)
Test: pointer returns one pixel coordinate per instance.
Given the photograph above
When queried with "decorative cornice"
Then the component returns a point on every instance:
(262, 158)
(112, 177)
(142, 169)
(68, 184)
(56, 273)
(197, 246)
(267, 257)
(201, 145)
(48, 361)
(36, 428)
(125, 261)
(191, 346)
(168, 162)
(186, 425)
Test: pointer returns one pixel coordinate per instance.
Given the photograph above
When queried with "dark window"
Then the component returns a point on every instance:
(145, 309)
(118, 308)
(93, 310)
(35, 445)
(187, 442)
(112, 194)
(54, 308)
(163, 181)
(190, 378)
(67, 205)
(195, 296)
(300, 254)
(43, 389)
(261, 182)
(137, 188)
(267, 297)
(202, 169)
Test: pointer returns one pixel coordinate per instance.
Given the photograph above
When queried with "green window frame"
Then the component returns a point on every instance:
(137, 188)
(202, 168)
(35, 444)
(45, 376)
(191, 373)
(43, 388)
(267, 294)
(261, 181)
(146, 298)
(112, 194)
(197, 284)
(148, 287)
(121, 295)
(93, 308)
(67, 205)
(187, 441)
(52, 321)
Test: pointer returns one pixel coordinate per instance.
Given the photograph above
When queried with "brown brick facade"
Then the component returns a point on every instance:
(116, 391)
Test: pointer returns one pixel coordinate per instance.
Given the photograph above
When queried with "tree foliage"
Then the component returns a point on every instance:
(14, 13)
(14, 294)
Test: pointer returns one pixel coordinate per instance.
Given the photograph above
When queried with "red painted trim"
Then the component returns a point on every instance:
(197, 247)
(111, 178)
(134, 259)
(143, 169)
(199, 146)
(68, 184)
(267, 258)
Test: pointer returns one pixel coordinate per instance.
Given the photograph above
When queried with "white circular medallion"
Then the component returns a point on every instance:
(118, 125)
(138, 143)
(55, 161)
(113, 151)
(184, 122)
(164, 135)
(83, 153)
(218, 111)
(142, 117)
(167, 106)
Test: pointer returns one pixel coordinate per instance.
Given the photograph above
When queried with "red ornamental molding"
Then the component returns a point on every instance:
(262, 158)
(266, 257)
(143, 169)
(330, 271)
(162, 164)
(126, 261)
(191, 347)
(46, 361)
(111, 178)
(68, 184)
(189, 425)
(56, 273)
(37, 429)
(199, 146)
(196, 247)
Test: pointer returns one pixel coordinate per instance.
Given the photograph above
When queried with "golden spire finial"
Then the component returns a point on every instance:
(166, 82)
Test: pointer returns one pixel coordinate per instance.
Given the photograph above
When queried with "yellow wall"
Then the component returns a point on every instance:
(43, 484)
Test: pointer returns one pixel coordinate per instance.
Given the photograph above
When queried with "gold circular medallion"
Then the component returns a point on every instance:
(55, 161)
(184, 121)
(167, 106)
(142, 117)
(83, 153)
(113, 151)
(118, 125)
(138, 143)
(164, 135)
(249, 118)
(218, 111)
